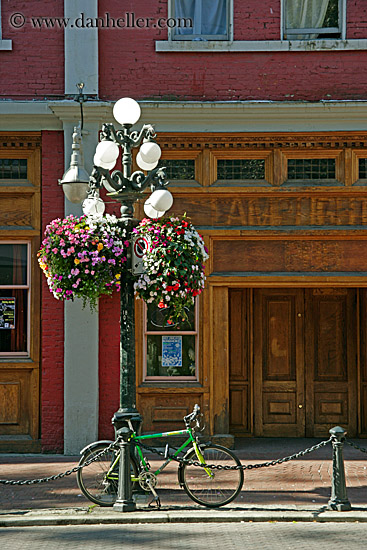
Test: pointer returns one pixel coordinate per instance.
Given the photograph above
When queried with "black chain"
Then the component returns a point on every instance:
(355, 446)
(180, 460)
(58, 476)
(239, 467)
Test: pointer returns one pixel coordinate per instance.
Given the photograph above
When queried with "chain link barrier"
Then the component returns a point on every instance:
(58, 476)
(239, 467)
(355, 446)
(181, 460)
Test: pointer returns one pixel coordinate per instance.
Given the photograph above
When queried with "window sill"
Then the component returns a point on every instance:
(258, 45)
(6, 45)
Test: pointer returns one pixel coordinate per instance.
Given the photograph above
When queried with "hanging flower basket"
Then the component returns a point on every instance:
(83, 257)
(174, 270)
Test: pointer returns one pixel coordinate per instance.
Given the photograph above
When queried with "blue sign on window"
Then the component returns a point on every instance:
(171, 351)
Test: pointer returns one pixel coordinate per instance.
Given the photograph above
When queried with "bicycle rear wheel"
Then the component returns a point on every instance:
(216, 487)
(93, 480)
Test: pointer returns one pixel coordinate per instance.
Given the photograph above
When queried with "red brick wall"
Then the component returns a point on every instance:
(52, 310)
(109, 362)
(35, 66)
(145, 74)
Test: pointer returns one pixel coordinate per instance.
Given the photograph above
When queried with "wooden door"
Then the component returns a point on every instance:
(240, 418)
(331, 364)
(279, 404)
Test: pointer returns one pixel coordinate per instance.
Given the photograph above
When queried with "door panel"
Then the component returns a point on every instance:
(303, 347)
(239, 362)
(278, 362)
(331, 366)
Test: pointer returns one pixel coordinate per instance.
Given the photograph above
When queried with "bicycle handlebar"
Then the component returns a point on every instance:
(192, 416)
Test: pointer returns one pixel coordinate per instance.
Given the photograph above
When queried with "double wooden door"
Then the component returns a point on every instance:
(304, 344)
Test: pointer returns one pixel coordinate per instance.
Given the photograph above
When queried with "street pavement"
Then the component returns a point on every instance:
(227, 536)
(298, 490)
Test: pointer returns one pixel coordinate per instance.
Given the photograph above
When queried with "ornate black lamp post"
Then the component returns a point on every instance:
(125, 187)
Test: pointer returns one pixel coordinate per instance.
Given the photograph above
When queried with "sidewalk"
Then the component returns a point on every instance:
(295, 491)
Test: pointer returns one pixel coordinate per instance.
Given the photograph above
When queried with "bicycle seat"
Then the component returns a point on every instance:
(120, 420)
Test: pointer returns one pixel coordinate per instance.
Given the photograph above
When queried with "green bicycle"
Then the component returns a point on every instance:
(205, 485)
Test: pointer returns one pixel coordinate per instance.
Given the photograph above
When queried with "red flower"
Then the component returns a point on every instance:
(195, 292)
(162, 305)
(176, 287)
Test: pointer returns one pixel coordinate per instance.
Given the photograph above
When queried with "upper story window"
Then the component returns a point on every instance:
(4, 44)
(301, 25)
(313, 19)
(200, 19)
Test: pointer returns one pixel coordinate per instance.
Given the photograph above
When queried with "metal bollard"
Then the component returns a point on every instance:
(124, 502)
(339, 500)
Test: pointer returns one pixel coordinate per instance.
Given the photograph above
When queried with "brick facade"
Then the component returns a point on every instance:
(52, 311)
(146, 74)
(34, 69)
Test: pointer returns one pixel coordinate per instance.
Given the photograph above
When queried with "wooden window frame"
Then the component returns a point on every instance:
(28, 287)
(230, 154)
(356, 155)
(171, 380)
(281, 167)
(196, 156)
(32, 166)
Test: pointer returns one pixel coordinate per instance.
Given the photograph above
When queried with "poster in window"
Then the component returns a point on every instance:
(7, 313)
(171, 351)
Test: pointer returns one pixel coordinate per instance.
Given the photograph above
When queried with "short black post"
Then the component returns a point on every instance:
(339, 500)
(124, 502)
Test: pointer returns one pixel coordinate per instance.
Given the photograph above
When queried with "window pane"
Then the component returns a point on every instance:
(332, 14)
(171, 355)
(362, 168)
(241, 169)
(179, 169)
(311, 169)
(312, 15)
(13, 320)
(13, 169)
(208, 18)
(13, 264)
(157, 320)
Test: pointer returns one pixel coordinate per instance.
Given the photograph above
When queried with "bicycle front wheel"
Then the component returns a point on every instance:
(212, 487)
(99, 481)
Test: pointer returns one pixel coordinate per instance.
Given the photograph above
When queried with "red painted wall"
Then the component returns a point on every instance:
(129, 64)
(52, 310)
(35, 66)
(109, 362)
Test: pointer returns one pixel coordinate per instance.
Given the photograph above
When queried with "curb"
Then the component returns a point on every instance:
(85, 517)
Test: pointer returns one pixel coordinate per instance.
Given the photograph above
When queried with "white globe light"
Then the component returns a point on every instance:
(161, 200)
(145, 165)
(152, 212)
(107, 151)
(97, 162)
(92, 206)
(126, 111)
(150, 152)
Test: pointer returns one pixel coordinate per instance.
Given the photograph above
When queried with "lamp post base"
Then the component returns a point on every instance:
(339, 506)
(124, 506)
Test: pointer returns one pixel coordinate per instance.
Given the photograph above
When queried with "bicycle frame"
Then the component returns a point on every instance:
(112, 473)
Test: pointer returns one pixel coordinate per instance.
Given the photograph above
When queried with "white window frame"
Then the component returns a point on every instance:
(27, 286)
(282, 45)
(342, 29)
(4, 44)
(205, 38)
